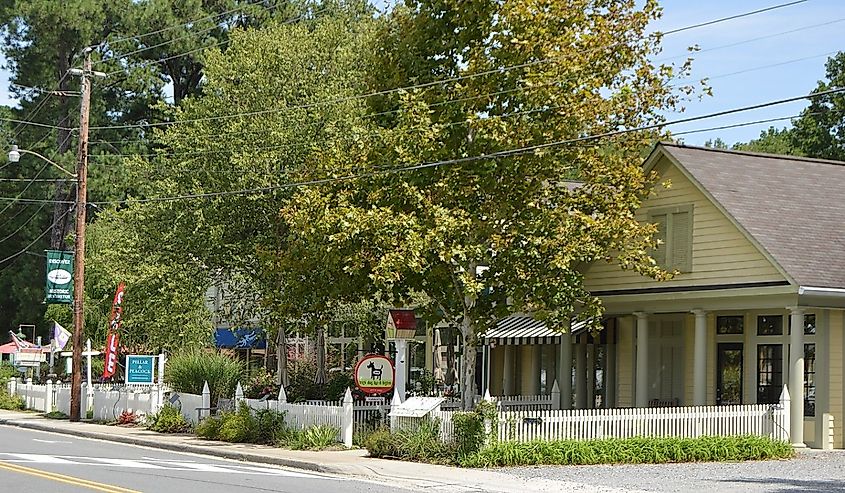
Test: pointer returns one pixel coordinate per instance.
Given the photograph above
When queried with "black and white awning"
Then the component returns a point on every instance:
(524, 329)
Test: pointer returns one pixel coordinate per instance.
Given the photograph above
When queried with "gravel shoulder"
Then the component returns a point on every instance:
(810, 471)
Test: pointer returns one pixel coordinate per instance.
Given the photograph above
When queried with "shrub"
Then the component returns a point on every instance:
(168, 420)
(314, 438)
(382, 443)
(238, 426)
(209, 428)
(271, 427)
(260, 383)
(10, 402)
(266, 427)
(127, 418)
(188, 371)
(56, 415)
(628, 451)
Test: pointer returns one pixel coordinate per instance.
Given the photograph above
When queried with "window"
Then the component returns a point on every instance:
(769, 373)
(770, 325)
(674, 235)
(733, 324)
(809, 379)
(810, 325)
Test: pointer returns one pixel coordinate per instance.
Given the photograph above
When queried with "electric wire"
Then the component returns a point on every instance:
(26, 248)
(424, 85)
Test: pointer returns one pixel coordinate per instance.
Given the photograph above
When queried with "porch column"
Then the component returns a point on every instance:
(699, 365)
(591, 376)
(507, 383)
(536, 368)
(796, 377)
(564, 370)
(641, 390)
(610, 370)
(581, 373)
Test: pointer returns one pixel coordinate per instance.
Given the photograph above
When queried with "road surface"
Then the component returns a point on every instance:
(35, 461)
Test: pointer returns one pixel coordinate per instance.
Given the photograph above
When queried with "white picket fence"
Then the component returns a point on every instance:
(590, 424)
(107, 401)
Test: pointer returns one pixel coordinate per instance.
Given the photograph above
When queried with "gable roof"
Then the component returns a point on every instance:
(791, 207)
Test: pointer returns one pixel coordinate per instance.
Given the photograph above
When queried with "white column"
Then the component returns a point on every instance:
(591, 376)
(610, 369)
(581, 373)
(401, 368)
(699, 365)
(564, 370)
(536, 368)
(641, 389)
(507, 383)
(796, 377)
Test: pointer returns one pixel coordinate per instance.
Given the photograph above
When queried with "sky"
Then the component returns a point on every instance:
(751, 71)
(779, 67)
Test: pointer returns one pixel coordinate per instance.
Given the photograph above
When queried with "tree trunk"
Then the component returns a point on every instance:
(61, 219)
(282, 358)
(320, 378)
(468, 388)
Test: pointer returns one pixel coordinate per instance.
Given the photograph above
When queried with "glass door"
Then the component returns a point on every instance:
(729, 374)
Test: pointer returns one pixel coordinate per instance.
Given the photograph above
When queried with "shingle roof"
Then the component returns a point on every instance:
(793, 207)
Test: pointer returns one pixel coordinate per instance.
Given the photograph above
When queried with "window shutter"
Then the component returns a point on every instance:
(681, 242)
(659, 253)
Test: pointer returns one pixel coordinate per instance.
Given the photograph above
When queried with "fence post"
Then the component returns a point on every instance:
(48, 397)
(206, 401)
(239, 395)
(784, 403)
(394, 403)
(488, 423)
(13, 385)
(555, 396)
(283, 396)
(348, 418)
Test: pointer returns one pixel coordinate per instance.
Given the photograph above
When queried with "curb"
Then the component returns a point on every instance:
(196, 449)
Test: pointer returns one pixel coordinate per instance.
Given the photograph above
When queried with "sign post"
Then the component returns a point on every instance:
(401, 327)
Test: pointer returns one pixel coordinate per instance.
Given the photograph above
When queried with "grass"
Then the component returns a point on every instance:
(628, 451)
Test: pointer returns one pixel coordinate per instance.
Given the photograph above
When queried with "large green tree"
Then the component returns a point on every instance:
(510, 232)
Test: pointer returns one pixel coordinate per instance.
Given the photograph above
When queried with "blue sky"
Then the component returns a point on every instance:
(756, 84)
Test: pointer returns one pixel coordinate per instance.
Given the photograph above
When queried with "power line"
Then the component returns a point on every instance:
(15, 255)
(25, 188)
(425, 85)
(381, 170)
(732, 17)
(13, 233)
(187, 36)
(177, 26)
(196, 50)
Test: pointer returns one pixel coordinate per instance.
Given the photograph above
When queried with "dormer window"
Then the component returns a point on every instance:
(674, 235)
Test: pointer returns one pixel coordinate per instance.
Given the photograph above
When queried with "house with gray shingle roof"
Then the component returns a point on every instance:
(757, 306)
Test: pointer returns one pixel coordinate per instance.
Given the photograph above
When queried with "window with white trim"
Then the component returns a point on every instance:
(674, 237)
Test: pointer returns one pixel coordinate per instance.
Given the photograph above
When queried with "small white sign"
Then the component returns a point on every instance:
(417, 407)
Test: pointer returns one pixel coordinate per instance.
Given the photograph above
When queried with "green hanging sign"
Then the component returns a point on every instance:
(59, 276)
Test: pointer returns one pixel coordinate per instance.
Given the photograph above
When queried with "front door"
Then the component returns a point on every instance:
(729, 376)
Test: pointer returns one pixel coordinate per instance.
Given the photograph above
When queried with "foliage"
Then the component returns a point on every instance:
(472, 234)
(469, 432)
(260, 383)
(168, 420)
(56, 415)
(7, 371)
(238, 426)
(189, 370)
(628, 451)
(772, 141)
(10, 402)
(127, 418)
(382, 443)
(314, 438)
(266, 426)
(302, 386)
(420, 443)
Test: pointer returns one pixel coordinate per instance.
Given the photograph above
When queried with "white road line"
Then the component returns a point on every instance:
(41, 459)
(132, 464)
(48, 441)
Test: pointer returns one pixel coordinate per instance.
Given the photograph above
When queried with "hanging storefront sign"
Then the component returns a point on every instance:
(374, 374)
(59, 287)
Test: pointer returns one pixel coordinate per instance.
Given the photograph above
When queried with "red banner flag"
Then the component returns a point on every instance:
(113, 338)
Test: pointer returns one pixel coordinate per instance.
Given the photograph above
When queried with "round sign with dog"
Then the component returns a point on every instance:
(374, 374)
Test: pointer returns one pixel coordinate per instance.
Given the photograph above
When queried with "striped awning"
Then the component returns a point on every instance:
(524, 329)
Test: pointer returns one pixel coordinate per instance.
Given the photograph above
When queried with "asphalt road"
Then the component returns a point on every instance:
(34, 461)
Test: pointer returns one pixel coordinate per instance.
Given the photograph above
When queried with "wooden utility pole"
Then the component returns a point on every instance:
(79, 257)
